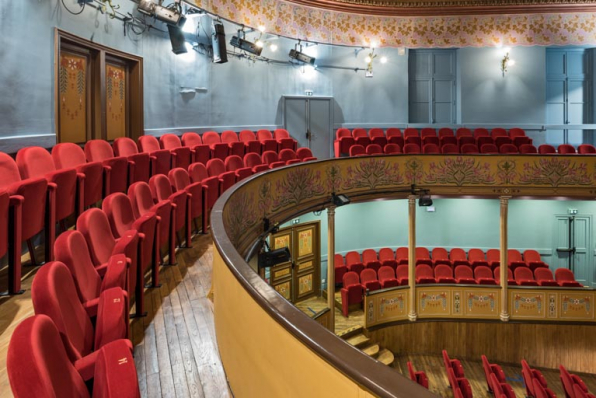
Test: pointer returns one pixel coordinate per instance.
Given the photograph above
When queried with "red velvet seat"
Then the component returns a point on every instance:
(368, 279)
(10, 240)
(483, 140)
(431, 148)
(514, 259)
(284, 141)
(573, 385)
(490, 369)
(401, 255)
(102, 244)
(387, 258)
(440, 256)
(219, 150)
(121, 171)
(251, 144)
(449, 149)
(118, 208)
(447, 140)
(180, 181)
(469, 149)
(217, 168)
(544, 277)
(434, 140)
(527, 149)
(201, 152)
(357, 150)
(71, 249)
(424, 274)
(463, 132)
(476, 257)
(361, 137)
(498, 132)
(340, 268)
(444, 274)
(391, 149)
(32, 203)
(374, 149)
(395, 136)
(533, 259)
(236, 164)
(428, 132)
(271, 158)
(387, 277)
(90, 175)
(446, 132)
(423, 256)
(377, 137)
(352, 291)
(343, 142)
(198, 173)
(161, 159)
(371, 260)
(39, 366)
(510, 280)
(460, 385)
(53, 294)
(484, 275)
(457, 257)
(464, 274)
(586, 149)
(529, 376)
(402, 274)
(126, 147)
(412, 136)
(565, 278)
(354, 262)
(480, 132)
(464, 140)
(579, 392)
(419, 377)
(254, 162)
(453, 364)
(411, 148)
(36, 162)
(489, 149)
(181, 155)
(524, 277)
(500, 389)
(161, 189)
(288, 156)
(504, 140)
(234, 145)
(305, 154)
(267, 141)
(566, 149)
(142, 203)
(546, 149)
(493, 257)
(508, 149)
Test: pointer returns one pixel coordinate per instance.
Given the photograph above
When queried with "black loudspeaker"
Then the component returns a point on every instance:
(218, 40)
(177, 39)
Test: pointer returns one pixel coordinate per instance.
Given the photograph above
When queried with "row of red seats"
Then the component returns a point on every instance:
(498, 136)
(457, 380)
(469, 149)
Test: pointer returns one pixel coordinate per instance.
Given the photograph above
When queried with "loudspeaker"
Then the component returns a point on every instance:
(177, 39)
(274, 257)
(218, 40)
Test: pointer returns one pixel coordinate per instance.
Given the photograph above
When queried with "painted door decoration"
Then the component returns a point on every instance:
(73, 97)
(567, 94)
(309, 121)
(116, 101)
(572, 248)
(432, 86)
(301, 278)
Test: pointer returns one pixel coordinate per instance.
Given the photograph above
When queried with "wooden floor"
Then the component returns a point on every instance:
(175, 346)
(315, 304)
(438, 383)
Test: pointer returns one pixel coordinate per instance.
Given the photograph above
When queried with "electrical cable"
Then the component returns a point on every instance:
(72, 12)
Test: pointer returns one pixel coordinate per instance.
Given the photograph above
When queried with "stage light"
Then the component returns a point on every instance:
(273, 47)
(383, 60)
(260, 43)
(171, 15)
(245, 45)
(340, 200)
(368, 60)
(297, 54)
(425, 200)
(262, 28)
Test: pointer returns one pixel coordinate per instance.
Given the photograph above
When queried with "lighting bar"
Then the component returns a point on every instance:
(246, 45)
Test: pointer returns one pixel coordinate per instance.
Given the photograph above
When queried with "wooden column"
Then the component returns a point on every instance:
(503, 260)
(331, 266)
(412, 256)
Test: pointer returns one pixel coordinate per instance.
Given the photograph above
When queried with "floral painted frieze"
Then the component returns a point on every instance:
(299, 184)
(555, 172)
(372, 173)
(460, 171)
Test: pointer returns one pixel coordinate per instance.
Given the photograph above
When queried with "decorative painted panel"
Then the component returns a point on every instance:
(482, 303)
(527, 304)
(577, 306)
(72, 81)
(433, 302)
(284, 290)
(385, 307)
(116, 101)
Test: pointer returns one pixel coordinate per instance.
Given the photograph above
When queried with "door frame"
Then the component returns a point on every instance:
(590, 255)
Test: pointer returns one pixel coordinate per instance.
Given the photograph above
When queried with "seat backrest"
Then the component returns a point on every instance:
(34, 161)
(342, 132)
(118, 208)
(270, 157)
(252, 159)
(449, 148)
(179, 178)
(94, 225)
(481, 132)
(443, 270)
(211, 137)
(463, 271)
(543, 274)
(411, 148)
(546, 149)
(71, 249)
(170, 141)
(376, 132)
(457, 254)
(523, 273)
(369, 255)
(229, 136)
(264, 134)
(476, 255)
(161, 188)
(141, 198)
(386, 272)
(37, 363)
(98, 150)
(54, 294)
(68, 155)
(430, 148)
(353, 257)
(531, 255)
(287, 154)
(424, 270)
(392, 148)
(367, 275)
(233, 163)
(350, 278)
(482, 271)
(357, 150)
(527, 148)
(411, 132)
(148, 143)
(191, 139)
(585, 149)
(514, 255)
(339, 260)
(422, 252)
(493, 255)
(566, 149)
(489, 148)
(439, 253)
(401, 271)
(446, 132)
(463, 132)
(281, 133)
(564, 275)
(508, 148)
(374, 149)
(498, 132)
(386, 254)
(125, 146)
(469, 148)
(517, 132)
(567, 381)
(215, 167)
(359, 132)
(303, 153)
(247, 135)
(428, 132)
(394, 132)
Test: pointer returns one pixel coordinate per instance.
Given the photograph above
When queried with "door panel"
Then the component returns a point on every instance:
(578, 237)
(295, 120)
(555, 62)
(320, 128)
(280, 276)
(581, 263)
(116, 101)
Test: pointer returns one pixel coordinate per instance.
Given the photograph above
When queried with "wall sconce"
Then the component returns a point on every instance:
(369, 61)
(505, 62)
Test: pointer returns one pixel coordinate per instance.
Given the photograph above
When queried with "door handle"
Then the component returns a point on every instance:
(569, 250)
(308, 134)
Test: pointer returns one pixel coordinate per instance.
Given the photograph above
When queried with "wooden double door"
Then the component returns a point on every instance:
(300, 278)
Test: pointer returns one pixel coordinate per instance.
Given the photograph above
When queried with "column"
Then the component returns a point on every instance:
(331, 265)
(412, 256)
(503, 260)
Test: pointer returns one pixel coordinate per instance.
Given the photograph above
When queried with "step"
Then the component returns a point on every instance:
(358, 341)
(386, 357)
(354, 330)
(371, 350)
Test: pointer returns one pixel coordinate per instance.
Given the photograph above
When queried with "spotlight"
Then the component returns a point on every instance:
(368, 60)
(383, 60)
(260, 43)
(272, 258)
(262, 28)
(177, 40)
(171, 15)
(273, 47)
(340, 200)
(218, 41)
(246, 45)
(297, 54)
(425, 200)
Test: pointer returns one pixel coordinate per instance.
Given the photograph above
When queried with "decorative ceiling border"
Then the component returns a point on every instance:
(443, 31)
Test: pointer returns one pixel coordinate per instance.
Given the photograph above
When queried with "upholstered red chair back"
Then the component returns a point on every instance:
(394, 132)
(392, 149)
(98, 150)
(161, 188)
(586, 149)
(411, 132)
(141, 199)
(374, 149)
(463, 132)
(369, 255)
(247, 135)
(440, 253)
(67, 155)
(443, 270)
(252, 159)
(401, 271)
(368, 275)
(481, 132)
(356, 150)
(546, 149)
(527, 149)
(463, 271)
(118, 208)
(563, 275)
(234, 163)
(264, 134)
(191, 139)
(179, 178)
(351, 278)
(281, 133)
(412, 148)
(386, 273)
(566, 149)
(148, 143)
(170, 141)
(446, 132)
(424, 270)
(229, 136)
(376, 132)
(287, 154)
(449, 148)
(34, 161)
(523, 273)
(211, 137)
(125, 146)
(430, 148)
(303, 153)
(543, 274)
(215, 167)
(482, 271)
(428, 132)
(269, 157)
(359, 132)
(353, 257)
(94, 225)
(469, 149)
(342, 132)
(198, 172)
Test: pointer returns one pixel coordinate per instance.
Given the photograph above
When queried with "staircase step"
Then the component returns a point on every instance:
(371, 350)
(354, 330)
(386, 357)
(358, 340)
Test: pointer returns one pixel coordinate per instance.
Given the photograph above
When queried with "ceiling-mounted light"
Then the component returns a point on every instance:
(273, 47)
(297, 54)
(260, 43)
(262, 28)
(171, 15)
(245, 45)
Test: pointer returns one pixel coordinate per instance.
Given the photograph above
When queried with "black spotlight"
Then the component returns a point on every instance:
(177, 39)
(246, 45)
(340, 200)
(425, 201)
(218, 40)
